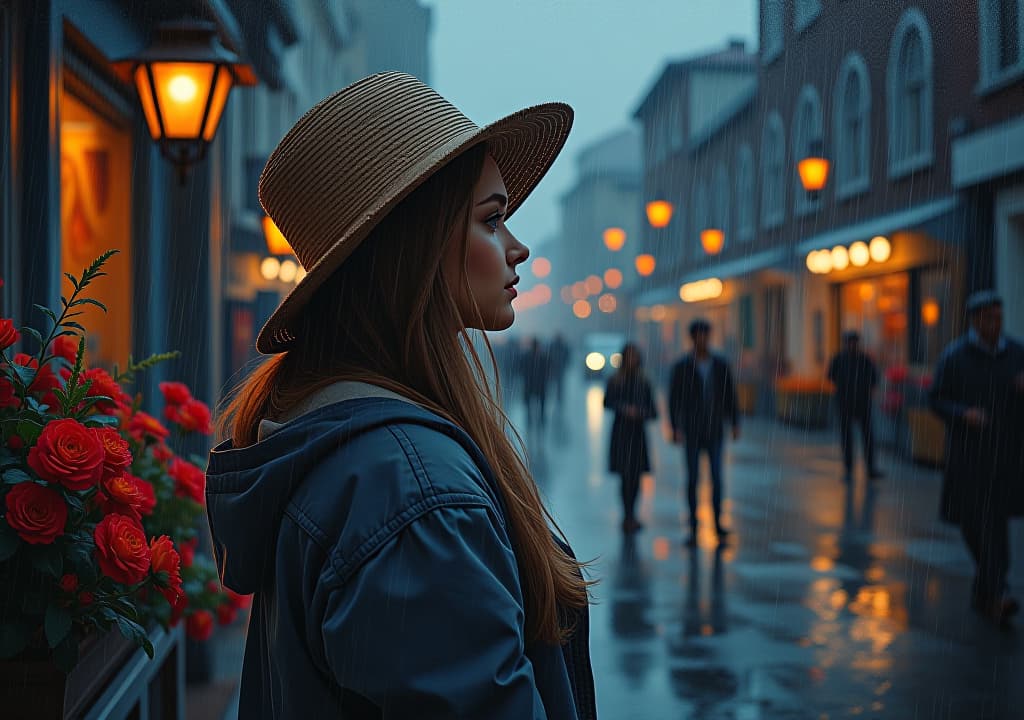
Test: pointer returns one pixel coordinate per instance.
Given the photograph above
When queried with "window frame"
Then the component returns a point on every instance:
(803, 142)
(721, 202)
(701, 217)
(773, 215)
(912, 20)
(773, 45)
(991, 77)
(805, 12)
(848, 186)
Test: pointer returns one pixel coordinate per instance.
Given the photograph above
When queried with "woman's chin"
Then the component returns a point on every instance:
(501, 319)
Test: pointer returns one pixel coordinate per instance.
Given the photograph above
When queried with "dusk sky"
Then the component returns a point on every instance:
(601, 56)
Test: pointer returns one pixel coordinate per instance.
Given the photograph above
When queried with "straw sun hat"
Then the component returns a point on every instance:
(353, 157)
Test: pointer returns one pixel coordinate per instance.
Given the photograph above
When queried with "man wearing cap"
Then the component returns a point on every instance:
(702, 396)
(855, 378)
(978, 391)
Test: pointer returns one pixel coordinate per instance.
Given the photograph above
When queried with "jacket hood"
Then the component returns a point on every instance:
(248, 489)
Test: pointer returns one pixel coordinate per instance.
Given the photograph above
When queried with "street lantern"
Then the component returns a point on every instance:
(659, 213)
(814, 170)
(183, 81)
(276, 243)
(712, 239)
(644, 264)
(614, 238)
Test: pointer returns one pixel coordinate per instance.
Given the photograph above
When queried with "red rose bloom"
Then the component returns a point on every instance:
(36, 513)
(86, 598)
(45, 380)
(189, 481)
(199, 625)
(121, 549)
(178, 609)
(69, 583)
(68, 453)
(121, 494)
(175, 393)
(187, 550)
(117, 455)
(104, 385)
(142, 426)
(65, 346)
(194, 416)
(226, 614)
(148, 493)
(162, 453)
(8, 334)
(8, 398)
(167, 560)
(14, 442)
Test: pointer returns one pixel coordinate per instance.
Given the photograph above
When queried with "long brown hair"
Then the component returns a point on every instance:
(389, 316)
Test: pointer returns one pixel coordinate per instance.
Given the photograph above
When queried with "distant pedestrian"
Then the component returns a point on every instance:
(534, 369)
(702, 397)
(629, 394)
(978, 390)
(558, 360)
(855, 378)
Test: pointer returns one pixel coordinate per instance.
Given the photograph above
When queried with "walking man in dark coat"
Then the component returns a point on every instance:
(535, 372)
(978, 390)
(702, 397)
(558, 361)
(855, 378)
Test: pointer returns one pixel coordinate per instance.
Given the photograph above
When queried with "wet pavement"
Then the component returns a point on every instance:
(827, 603)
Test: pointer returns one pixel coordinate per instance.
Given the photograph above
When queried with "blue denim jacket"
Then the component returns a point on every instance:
(374, 539)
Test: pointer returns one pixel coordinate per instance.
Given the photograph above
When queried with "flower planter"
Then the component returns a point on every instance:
(803, 402)
(927, 437)
(38, 690)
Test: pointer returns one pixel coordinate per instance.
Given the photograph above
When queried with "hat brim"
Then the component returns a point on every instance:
(524, 145)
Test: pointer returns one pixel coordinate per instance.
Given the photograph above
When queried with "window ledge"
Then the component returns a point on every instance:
(906, 166)
(853, 187)
(770, 56)
(1001, 80)
(808, 208)
(773, 221)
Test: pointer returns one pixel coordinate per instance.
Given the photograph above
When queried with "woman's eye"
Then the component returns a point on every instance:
(493, 221)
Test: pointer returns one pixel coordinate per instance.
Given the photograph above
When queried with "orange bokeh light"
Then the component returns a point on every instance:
(614, 238)
(581, 309)
(712, 240)
(613, 278)
(645, 264)
(607, 303)
(659, 213)
(541, 267)
(813, 173)
(593, 284)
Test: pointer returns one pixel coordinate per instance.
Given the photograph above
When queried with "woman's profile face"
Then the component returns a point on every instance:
(492, 255)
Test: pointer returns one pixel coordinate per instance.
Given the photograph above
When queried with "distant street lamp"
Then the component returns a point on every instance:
(183, 81)
(712, 239)
(659, 213)
(814, 170)
(614, 238)
(276, 242)
(880, 248)
(644, 264)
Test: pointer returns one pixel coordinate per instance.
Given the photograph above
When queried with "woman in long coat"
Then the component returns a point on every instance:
(629, 395)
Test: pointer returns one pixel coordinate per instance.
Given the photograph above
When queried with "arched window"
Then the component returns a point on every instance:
(772, 32)
(852, 128)
(773, 172)
(910, 95)
(807, 141)
(1001, 25)
(701, 217)
(720, 203)
(805, 12)
(745, 194)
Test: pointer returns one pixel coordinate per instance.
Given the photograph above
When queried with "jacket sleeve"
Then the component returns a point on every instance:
(611, 395)
(432, 625)
(675, 397)
(732, 404)
(650, 410)
(941, 397)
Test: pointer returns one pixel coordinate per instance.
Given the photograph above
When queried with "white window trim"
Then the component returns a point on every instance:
(990, 77)
(774, 130)
(853, 63)
(773, 50)
(745, 194)
(805, 12)
(803, 204)
(912, 18)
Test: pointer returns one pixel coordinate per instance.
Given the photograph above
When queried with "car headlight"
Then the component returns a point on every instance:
(595, 361)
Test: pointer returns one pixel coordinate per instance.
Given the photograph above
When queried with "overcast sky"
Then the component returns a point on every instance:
(491, 58)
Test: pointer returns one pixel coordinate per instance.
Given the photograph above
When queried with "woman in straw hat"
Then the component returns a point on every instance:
(399, 553)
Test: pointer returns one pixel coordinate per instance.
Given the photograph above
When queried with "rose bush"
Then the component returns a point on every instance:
(98, 515)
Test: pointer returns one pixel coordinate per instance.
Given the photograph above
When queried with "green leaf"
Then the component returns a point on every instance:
(13, 639)
(13, 476)
(29, 431)
(9, 541)
(72, 278)
(48, 559)
(134, 632)
(32, 332)
(25, 374)
(46, 311)
(75, 325)
(65, 655)
(102, 420)
(57, 624)
(74, 502)
(89, 301)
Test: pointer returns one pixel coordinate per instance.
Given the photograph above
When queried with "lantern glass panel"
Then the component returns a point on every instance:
(182, 90)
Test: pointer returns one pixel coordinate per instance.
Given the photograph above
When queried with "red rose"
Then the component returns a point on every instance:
(190, 481)
(175, 393)
(8, 398)
(106, 386)
(65, 346)
(199, 625)
(121, 549)
(178, 609)
(69, 453)
(194, 416)
(8, 334)
(117, 456)
(162, 453)
(45, 380)
(37, 513)
(167, 560)
(86, 598)
(122, 494)
(226, 614)
(148, 493)
(142, 426)
(69, 583)
(187, 550)
(14, 442)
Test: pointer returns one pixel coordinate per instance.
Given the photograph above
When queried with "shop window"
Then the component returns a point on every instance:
(1001, 25)
(935, 316)
(909, 79)
(878, 309)
(773, 172)
(95, 216)
(852, 135)
(807, 135)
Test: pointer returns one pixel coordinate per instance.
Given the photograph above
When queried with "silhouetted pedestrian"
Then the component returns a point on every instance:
(979, 391)
(855, 378)
(558, 359)
(702, 396)
(629, 394)
(534, 371)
